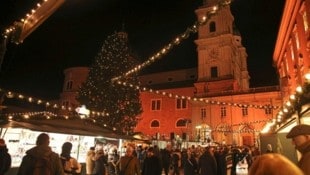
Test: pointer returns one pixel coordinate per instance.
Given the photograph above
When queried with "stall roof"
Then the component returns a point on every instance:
(75, 126)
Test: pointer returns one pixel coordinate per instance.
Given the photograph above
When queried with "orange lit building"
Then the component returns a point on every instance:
(291, 58)
(213, 102)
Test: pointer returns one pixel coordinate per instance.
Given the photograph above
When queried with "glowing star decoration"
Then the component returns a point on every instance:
(82, 111)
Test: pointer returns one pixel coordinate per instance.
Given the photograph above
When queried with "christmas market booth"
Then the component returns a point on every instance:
(20, 135)
(295, 111)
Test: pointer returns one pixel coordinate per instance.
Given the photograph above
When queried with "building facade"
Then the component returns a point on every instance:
(213, 102)
(291, 59)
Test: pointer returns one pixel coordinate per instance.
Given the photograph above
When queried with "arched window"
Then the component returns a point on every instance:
(155, 124)
(212, 27)
(69, 85)
(181, 123)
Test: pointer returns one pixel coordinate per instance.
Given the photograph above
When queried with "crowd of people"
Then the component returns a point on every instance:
(150, 160)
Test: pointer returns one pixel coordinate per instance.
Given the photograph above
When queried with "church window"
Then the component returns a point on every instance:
(156, 105)
(212, 27)
(305, 20)
(203, 113)
(181, 103)
(223, 111)
(244, 111)
(155, 124)
(69, 85)
(65, 104)
(268, 110)
(214, 72)
(181, 123)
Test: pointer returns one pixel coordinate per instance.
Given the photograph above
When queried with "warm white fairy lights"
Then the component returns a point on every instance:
(11, 29)
(280, 117)
(176, 41)
(30, 115)
(204, 100)
(11, 94)
(289, 108)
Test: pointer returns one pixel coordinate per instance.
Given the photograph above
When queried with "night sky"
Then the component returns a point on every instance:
(74, 34)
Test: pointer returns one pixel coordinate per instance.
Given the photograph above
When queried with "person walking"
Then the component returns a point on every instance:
(5, 158)
(70, 164)
(114, 162)
(129, 164)
(151, 165)
(100, 162)
(166, 158)
(190, 164)
(207, 163)
(175, 164)
(41, 159)
(90, 163)
(300, 136)
(220, 156)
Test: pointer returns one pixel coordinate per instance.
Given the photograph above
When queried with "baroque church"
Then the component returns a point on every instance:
(211, 102)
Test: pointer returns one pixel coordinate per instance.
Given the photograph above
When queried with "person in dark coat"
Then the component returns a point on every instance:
(220, 156)
(236, 157)
(129, 163)
(300, 136)
(151, 165)
(70, 164)
(166, 158)
(100, 162)
(207, 163)
(41, 152)
(5, 158)
(190, 164)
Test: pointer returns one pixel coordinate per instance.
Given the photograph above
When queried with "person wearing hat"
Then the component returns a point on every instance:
(300, 136)
(5, 158)
(151, 164)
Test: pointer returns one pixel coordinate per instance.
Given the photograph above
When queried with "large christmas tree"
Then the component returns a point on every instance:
(99, 93)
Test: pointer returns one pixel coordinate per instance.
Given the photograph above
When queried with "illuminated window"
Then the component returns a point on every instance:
(181, 103)
(306, 25)
(296, 39)
(156, 105)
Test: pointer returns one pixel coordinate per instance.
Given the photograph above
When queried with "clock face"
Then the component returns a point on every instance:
(213, 53)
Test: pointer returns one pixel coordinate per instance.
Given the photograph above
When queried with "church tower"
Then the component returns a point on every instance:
(222, 60)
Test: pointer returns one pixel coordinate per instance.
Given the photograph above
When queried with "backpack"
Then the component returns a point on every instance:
(42, 167)
(66, 164)
(69, 167)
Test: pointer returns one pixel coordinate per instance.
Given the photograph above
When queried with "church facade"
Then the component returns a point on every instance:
(212, 102)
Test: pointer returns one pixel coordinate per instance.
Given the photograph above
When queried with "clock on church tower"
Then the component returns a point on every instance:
(213, 53)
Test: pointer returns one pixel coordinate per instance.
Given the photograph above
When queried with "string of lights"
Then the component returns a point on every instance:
(165, 50)
(290, 106)
(283, 114)
(204, 100)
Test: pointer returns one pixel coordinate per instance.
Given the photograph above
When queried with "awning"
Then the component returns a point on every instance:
(70, 126)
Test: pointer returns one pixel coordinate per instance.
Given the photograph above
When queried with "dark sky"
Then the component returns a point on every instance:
(73, 35)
